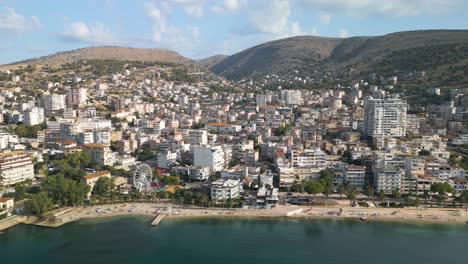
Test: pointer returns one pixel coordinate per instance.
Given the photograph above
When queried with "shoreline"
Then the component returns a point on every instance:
(413, 216)
(400, 215)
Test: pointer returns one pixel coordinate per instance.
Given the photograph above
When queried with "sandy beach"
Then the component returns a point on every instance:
(420, 215)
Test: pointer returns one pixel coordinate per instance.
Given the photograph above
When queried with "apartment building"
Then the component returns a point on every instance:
(209, 156)
(100, 154)
(15, 167)
(384, 117)
(355, 175)
(225, 189)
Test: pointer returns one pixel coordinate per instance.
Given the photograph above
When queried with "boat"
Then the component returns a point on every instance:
(363, 219)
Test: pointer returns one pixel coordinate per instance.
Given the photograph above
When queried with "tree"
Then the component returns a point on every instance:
(352, 194)
(41, 203)
(424, 153)
(314, 188)
(369, 190)
(103, 186)
(442, 188)
(397, 194)
(20, 192)
(326, 181)
(381, 195)
(341, 190)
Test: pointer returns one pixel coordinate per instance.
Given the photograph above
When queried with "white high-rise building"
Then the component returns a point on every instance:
(292, 97)
(209, 156)
(53, 102)
(33, 116)
(384, 117)
(76, 96)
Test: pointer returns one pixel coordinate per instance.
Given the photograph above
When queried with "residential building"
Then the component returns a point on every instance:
(388, 179)
(15, 167)
(209, 156)
(384, 117)
(33, 116)
(225, 189)
(100, 154)
(355, 175)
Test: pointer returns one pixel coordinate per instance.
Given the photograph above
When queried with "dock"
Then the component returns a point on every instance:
(158, 219)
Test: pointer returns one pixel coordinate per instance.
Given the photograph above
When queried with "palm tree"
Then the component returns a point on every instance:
(396, 193)
(381, 195)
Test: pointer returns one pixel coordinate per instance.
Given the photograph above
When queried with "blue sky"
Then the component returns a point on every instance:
(201, 28)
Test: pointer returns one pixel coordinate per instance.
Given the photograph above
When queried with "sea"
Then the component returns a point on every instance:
(235, 241)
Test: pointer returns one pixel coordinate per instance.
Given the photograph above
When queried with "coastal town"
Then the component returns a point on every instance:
(97, 138)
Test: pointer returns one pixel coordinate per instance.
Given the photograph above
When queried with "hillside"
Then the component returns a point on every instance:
(430, 50)
(211, 61)
(108, 53)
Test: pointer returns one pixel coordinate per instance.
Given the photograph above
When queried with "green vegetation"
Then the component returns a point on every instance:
(26, 131)
(103, 186)
(424, 58)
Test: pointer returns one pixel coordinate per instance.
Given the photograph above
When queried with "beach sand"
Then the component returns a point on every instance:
(420, 215)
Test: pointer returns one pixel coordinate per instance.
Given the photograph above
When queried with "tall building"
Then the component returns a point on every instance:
(384, 117)
(212, 157)
(76, 96)
(15, 167)
(291, 97)
(53, 102)
(33, 116)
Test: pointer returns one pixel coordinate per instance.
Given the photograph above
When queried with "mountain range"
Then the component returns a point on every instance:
(405, 51)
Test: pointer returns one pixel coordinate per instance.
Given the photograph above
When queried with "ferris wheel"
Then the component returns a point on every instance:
(142, 177)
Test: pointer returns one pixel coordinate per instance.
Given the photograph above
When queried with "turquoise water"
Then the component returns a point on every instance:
(132, 240)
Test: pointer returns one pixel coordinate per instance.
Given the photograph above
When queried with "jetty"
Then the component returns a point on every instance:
(157, 219)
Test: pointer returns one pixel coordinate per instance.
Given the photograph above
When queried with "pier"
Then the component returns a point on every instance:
(158, 219)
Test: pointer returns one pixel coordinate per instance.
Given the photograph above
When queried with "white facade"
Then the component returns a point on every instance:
(384, 117)
(33, 116)
(209, 156)
(197, 137)
(355, 175)
(308, 158)
(388, 179)
(225, 189)
(15, 167)
(53, 102)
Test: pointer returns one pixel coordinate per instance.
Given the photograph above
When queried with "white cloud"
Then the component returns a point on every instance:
(228, 6)
(94, 34)
(13, 22)
(392, 8)
(343, 33)
(195, 32)
(314, 31)
(193, 8)
(296, 29)
(271, 17)
(324, 18)
(233, 5)
(166, 35)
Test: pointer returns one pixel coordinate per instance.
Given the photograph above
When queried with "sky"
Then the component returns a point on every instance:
(202, 28)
